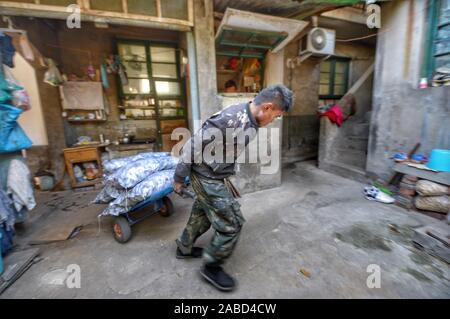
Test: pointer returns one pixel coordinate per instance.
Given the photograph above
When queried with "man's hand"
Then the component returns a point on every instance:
(177, 187)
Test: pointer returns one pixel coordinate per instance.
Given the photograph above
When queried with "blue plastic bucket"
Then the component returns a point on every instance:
(1, 258)
(439, 160)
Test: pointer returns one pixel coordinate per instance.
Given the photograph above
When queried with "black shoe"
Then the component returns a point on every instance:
(218, 277)
(196, 252)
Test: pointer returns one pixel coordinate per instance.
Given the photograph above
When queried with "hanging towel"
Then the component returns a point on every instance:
(334, 114)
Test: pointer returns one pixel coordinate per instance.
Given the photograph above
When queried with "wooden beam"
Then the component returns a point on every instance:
(349, 14)
(125, 6)
(158, 9)
(86, 4)
(191, 11)
(361, 80)
(54, 12)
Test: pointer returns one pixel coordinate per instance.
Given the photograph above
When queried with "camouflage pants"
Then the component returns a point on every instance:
(216, 207)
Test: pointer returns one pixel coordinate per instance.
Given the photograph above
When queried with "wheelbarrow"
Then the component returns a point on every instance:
(158, 203)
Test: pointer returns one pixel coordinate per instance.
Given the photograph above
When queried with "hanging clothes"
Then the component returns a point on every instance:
(19, 185)
(8, 50)
(6, 241)
(7, 213)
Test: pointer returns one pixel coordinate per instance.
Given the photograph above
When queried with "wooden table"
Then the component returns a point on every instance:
(83, 154)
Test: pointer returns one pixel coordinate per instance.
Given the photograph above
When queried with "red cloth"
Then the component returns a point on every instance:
(334, 113)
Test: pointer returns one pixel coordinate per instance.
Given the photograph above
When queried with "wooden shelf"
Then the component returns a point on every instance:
(89, 183)
(227, 71)
(138, 118)
(150, 107)
(74, 156)
(87, 121)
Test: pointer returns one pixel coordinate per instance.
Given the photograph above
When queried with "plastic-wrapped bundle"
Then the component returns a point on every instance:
(113, 165)
(107, 194)
(149, 189)
(131, 174)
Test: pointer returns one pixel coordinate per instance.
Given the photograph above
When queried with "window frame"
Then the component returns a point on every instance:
(153, 93)
(332, 74)
(434, 25)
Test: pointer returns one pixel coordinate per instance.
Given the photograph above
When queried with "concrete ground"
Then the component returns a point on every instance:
(316, 221)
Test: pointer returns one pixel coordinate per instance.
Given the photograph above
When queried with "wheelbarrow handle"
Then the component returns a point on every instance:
(187, 193)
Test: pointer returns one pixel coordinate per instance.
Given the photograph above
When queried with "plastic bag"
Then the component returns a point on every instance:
(12, 137)
(428, 188)
(113, 165)
(8, 82)
(153, 187)
(53, 76)
(440, 204)
(18, 95)
(104, 74)
(133, 173)
(26, 48)
(4, 96)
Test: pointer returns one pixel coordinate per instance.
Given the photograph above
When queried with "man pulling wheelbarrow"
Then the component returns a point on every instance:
(215, 204)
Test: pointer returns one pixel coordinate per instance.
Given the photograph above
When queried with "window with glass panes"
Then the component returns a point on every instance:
(438, 40)
(154, 83)
(333, 80)
(154, 89)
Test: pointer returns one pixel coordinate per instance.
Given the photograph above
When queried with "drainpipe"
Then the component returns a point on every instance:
(193, 81)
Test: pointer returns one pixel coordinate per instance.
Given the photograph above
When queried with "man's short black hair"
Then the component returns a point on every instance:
(277, 94)
(230, 84)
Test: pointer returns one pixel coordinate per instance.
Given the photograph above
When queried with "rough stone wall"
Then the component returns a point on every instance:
(403, 114)
(50, 37)
(100, 42)
(301, 127)
(206, 58)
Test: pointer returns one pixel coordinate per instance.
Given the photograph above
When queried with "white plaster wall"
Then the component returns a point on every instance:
(31, 121)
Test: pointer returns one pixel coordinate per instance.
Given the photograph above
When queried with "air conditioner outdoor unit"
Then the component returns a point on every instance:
(319, 42)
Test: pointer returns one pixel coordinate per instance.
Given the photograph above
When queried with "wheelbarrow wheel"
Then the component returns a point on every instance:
(167, 207)
(121, 230)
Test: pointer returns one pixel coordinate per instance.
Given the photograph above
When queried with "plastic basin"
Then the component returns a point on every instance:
(439, 160)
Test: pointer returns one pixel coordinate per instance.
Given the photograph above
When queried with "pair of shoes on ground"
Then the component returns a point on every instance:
(215, 275)
(373, 193)
(196, 252)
